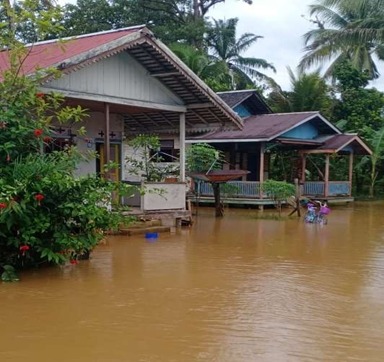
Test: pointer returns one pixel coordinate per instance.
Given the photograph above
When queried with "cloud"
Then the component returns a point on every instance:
(282, 25)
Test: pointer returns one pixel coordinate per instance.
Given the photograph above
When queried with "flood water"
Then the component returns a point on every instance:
(228, 290)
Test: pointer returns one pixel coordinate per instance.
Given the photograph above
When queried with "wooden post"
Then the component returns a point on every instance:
(107, 146)
(303, 167)
(350, 173)
(218, 205)
(261, 169)
(326, 175)
(182, 147)
(297, 198)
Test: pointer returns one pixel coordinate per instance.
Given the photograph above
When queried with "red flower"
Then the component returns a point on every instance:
(39, 198)
(24, 248)
(40, 95)
(3, 205)
(38, 132)
(47, 139)
(74, 262)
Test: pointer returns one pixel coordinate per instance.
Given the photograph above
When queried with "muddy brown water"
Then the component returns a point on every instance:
(235, 289)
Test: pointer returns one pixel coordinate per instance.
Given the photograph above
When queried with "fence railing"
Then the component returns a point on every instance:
(251, 189)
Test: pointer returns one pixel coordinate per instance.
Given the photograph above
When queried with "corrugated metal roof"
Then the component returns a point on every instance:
(205, 110)
(339, 142)
(249, 98)
(263, 126)
(51, 53)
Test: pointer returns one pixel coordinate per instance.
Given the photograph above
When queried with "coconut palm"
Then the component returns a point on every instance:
(194, 58)
(309, 92)
(226, 51)
(347, 30)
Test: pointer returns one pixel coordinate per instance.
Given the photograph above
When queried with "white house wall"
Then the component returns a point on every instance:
(118, 76)
(93, 125)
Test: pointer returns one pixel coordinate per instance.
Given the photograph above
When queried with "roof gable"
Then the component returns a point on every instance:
(250, 99)
(204, 109)
(345, 142)
(113, 76)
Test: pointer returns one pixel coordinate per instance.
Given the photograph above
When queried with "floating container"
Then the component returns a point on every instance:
(151, 235)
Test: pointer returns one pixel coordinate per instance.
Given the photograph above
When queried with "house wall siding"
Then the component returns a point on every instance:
(242, 111)
(119, 76)
(304, 131)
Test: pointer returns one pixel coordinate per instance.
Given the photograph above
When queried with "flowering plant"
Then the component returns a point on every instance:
(47, 215)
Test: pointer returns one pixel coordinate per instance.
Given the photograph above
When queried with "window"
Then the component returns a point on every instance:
(167, 152)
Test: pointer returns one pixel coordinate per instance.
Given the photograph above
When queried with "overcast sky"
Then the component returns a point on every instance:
(282, 25)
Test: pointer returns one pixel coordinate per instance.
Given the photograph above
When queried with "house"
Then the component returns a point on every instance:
(303, 134)
(130, 83)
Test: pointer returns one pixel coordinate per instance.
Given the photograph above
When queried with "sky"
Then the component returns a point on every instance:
(282, 23)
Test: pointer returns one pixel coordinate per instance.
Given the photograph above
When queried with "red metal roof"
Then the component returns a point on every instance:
(263, 126)
(50, 53)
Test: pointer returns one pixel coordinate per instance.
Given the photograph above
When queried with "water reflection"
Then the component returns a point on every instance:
(231, 289)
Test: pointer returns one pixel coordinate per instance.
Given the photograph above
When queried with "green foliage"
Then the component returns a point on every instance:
(29, 21)
(361, 108)
(9, 274)
(227, 51)
(309, 92)
(347, 31)
(278, 191)
(146, 161)
(202, 157)
(46, 214)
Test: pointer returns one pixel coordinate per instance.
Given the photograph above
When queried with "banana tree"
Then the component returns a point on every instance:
(376, 141)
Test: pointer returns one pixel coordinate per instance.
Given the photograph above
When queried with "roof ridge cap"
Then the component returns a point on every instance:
(85, 35)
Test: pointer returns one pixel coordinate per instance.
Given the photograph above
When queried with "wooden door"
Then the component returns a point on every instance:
(115, 152)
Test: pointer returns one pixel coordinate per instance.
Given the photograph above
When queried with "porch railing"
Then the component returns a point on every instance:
(335, 188)
(244, 189)
(251, 189)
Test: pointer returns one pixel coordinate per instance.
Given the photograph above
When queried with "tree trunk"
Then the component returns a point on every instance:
(218, 205)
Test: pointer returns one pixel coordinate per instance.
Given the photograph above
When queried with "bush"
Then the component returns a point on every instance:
(47, 215)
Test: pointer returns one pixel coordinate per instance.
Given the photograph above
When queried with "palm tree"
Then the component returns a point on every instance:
(309, 92)
(225, 51)
(347, 30)
(194, 58)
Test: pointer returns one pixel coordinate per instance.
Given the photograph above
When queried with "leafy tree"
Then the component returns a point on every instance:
(361, 108)
(46, 214)
(376, 140)
(226, 51)
(201, 158)
(89, 16)
(347, 30)
(309, 92)
(146, 160)
(172, 21)
(29, 21)
(279, 191)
